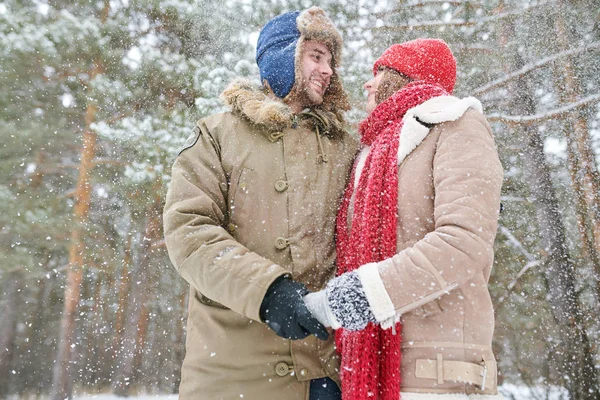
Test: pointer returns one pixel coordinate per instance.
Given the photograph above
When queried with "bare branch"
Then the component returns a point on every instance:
(531, 67)
(552, 114)
(159, 244)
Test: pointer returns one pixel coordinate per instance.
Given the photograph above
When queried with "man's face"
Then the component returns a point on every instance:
(316, 75)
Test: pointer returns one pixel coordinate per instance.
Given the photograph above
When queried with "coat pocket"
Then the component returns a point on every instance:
(427, 310)
(208, 302)
(238, 194)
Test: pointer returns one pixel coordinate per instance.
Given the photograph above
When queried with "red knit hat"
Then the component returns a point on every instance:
(429, 60)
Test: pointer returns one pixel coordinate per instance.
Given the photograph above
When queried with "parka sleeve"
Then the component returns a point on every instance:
(467, 178)
(200, 248)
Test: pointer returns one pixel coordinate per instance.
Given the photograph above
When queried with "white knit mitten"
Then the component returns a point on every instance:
(319, 307)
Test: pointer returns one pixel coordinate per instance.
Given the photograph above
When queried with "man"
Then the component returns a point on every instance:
(250, 217)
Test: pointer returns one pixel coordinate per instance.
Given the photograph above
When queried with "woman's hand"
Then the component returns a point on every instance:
(343, 303)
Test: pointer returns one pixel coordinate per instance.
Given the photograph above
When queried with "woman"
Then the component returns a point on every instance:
(415, 238)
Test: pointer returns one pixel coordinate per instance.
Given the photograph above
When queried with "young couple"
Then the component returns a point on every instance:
(320, 269)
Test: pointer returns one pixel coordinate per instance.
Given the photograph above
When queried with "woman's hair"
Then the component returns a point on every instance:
(391, 82)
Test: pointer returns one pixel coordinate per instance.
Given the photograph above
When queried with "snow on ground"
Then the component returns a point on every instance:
(509, 391)
(515, 392)
(108, 396)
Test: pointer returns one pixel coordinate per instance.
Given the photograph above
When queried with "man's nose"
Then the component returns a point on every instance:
(326, 70)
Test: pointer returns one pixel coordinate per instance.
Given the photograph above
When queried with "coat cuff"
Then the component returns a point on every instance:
(379, 300)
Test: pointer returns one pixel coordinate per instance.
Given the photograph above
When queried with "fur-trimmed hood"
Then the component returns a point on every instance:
(279, 52)
(313, 24)
(272, 114)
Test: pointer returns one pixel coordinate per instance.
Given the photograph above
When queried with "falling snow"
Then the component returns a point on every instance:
(98, 98)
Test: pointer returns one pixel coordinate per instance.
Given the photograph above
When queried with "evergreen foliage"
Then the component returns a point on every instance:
(134, 76)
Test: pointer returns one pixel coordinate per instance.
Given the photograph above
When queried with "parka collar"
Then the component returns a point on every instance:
(254, 104)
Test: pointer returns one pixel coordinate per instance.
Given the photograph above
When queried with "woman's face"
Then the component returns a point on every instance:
(383, 85)
(371, 88)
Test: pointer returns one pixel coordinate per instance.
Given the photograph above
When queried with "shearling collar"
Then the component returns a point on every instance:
(413, 132)
(253, 103)
(434, 111)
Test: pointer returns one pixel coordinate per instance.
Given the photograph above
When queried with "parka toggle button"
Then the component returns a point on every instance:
(281, 185)
(281, 243)
(275, 136)
(282, 369)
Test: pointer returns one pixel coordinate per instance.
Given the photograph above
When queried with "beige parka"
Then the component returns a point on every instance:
(449, 181)
(254, 196)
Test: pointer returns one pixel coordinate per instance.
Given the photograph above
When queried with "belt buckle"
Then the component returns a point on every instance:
(483, 376)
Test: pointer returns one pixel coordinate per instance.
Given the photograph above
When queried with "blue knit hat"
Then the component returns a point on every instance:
(276, 52)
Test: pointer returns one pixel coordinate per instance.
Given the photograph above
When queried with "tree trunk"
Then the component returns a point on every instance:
(572, 354)
(91, 359)
(8, 327)
(135, 327)
(36, 333)
(122, 296)
(583, 168)
(62, 371)
(179, 351)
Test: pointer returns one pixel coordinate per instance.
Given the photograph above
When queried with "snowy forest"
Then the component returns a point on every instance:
(98, 96)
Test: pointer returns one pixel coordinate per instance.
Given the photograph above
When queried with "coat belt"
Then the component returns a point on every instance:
(456, 371)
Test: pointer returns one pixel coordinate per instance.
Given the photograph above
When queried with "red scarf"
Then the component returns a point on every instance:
(371, 357)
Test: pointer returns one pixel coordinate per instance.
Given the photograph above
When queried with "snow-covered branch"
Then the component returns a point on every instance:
(31, 275)
(516, 243)
(533, 66)
(423, 3)
(416, 4)
(552, 114)
(532, 262)
(512, 198)
(426, 25)
(461, 22)
(526, 268)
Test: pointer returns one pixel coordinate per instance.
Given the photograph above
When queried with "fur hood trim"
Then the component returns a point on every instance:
(254, 104)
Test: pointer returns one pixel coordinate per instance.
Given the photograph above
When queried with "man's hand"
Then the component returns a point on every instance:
(283, 309)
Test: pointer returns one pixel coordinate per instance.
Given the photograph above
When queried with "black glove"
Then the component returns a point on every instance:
(283, 309)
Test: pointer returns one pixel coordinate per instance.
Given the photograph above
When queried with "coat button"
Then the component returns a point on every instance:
(282, 369)
(303, 372)
(281, 243)
(231, 227)
(281, 186)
